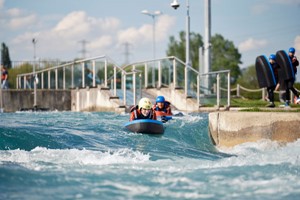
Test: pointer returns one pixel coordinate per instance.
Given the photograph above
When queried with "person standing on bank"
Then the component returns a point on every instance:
(290, 82)
(272, 61)
(4, 77)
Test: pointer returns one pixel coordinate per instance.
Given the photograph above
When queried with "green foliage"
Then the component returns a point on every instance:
(13, 72)
(224, 54)
(5, 56)
(248, 78)
(177, 48)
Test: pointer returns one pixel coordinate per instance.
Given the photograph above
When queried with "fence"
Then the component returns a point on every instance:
(263, 92)
(164, 72)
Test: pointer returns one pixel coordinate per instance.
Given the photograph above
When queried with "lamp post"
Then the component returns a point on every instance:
(153, 15)
(175, 5)
(34, 81)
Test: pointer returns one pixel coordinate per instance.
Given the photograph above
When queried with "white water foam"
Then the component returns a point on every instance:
(41, 158)
(263, 152)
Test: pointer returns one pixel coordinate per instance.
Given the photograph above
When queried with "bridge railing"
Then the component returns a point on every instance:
(172, 72)
(156, 73)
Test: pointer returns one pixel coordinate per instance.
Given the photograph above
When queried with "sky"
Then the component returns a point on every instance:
(256, 27)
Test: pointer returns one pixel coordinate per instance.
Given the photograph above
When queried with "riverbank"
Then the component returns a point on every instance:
(228, 129)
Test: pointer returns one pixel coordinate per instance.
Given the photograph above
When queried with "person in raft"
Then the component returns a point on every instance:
(272, 61)
(143, 110)
(290, 82)
(162, 105)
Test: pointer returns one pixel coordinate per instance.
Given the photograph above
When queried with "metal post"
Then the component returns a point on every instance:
(207, 35)
(64, 78)
(140, 76)
(218, 90)
(72, 76)
(42, 80)
(187, 48)
(134, 85)
(115, 81)
(146, 75)
(56, 78)
(174, 73)
(228, 90)
(49, 79)
(82, 75)
(124, 88)
(34, 81)
(198, 89)
(159, 74)
(94, 73)
(105, 73)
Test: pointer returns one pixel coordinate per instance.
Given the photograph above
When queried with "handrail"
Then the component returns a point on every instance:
(158, 65)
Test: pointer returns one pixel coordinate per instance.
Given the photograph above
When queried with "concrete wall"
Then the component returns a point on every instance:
(232, 128)
(15, 100)
(177, 98)
(95, 99)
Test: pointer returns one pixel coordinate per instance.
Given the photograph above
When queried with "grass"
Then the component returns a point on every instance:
(250, 105)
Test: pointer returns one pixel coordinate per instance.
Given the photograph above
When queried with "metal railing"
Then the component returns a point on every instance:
(101, 70)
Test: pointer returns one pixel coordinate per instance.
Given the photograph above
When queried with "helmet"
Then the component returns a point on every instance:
(272, 56)
(160, 99)
(145, 103)
(292, 50)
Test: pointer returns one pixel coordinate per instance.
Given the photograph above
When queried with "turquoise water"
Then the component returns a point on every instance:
(66, 155)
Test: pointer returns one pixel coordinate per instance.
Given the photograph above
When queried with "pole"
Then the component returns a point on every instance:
(207, 35)
(34, 75)
(153, 15)
(153, 68)
(187, 47)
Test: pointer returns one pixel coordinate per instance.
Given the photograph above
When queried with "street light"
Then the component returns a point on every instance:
(153, 15)
(175, 5)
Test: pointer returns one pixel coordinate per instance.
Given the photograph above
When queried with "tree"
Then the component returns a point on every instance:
(177, 48)
(5, 59)
(248, 79)
(224, 54)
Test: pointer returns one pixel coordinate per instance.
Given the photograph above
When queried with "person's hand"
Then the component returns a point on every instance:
(164, 119)
(294, 59)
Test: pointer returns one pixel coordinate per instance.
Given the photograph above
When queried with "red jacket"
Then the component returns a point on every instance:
(136, 114)
(166, 109)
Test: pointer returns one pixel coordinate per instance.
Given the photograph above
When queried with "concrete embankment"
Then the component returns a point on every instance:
(231, 128)
(15, 100)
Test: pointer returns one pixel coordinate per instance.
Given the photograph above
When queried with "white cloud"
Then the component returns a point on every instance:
(144, 34)
(22, 21)
(103, 36)
(252, 44)
(14, 12)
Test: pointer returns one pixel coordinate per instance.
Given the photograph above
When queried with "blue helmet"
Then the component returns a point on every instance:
(160, 99)
(292, 50)
(272, 57)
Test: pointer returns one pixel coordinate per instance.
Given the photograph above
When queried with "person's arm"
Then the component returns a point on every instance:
(277, 87)
(131, 116)
(154, 115)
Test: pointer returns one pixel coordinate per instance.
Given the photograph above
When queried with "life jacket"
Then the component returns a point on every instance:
(136, 114)
(164, 109)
